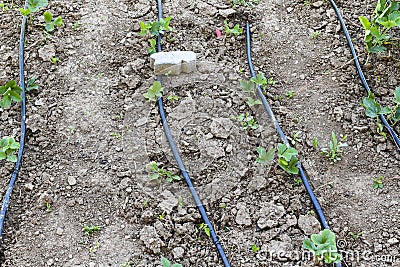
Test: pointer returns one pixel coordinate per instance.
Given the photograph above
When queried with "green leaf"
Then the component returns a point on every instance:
(5, 102)
(3, 155)
(397, 95)
(176, 265)
(12, 158)
(251, 102)
(292, 168)
(47, 16)
(365, 22)
(396, 114)
(49, 27)
(154, 91)
(15, 96)
(372, 108)
(58, 21)
(24, 12)
(247, 86)
(286, 152)
(309, 245)
(265, 157)
(259, 79)
(377, 49)
(36, 5)
(165, 262)
(154, 176)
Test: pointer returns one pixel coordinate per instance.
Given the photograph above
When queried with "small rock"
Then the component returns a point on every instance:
(289, 9)
(220, 127)
(393, 241)
(47, 52)
(309, 224)
(269, 215)
(169, 202)
(59, 231)
(29, 187)
(243, 216)
(151, 239)
(318, 4)
(226, 12)
(178, 252)
(71, 180)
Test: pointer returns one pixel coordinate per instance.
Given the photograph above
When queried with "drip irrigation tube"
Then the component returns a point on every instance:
(7, 196)
(391, 131)
(182, 169)
(268, 109)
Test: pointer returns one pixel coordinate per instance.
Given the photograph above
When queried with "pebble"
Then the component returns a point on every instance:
(309, 224)
(71, 180)
(317, 4)
(178, 252)
(59, 231)
(393, 241)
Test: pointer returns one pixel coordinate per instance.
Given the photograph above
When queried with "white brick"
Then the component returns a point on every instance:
(173, 63)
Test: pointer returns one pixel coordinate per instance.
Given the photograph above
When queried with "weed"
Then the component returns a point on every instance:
(75, 26)
(355, 235)
(245, 3)
(205, 228)
(298, 181)
(161, 216)
(4, 6)
(379, 129)
(287, 159)
(290, 94)
(247, 121)
(173, 98)
(271, 81)
(48, 206)
(10, 92)
(166, 263)
(95, 247)
(385, 17)
(307, 3)
(33, 6)
(180, 202)
(155, 91)
(295, 139)
(315, 143)
(265, 157)
(316, 34)
(236, 30)
(50, 23)
(8, 146)
(55, 60)
(91, 229)
(156, 173)
(255, 248)
(334, 151)
(324, 247)
(378, 182)
(31, 85)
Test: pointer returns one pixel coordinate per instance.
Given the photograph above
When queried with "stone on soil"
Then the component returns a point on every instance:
(173, 63)
(309, 224)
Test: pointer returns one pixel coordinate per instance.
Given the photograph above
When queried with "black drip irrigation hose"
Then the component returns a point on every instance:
(391, 131)
(268, 109)
(178, 159)
(7, 196)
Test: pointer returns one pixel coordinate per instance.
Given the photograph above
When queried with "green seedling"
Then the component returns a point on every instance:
(95, 247)
(265, 157)
(298, 181)
(377, 31)
(316, 34)
(173, 98)
(152, 49)
(55, 60)
(50, 23)
(355, 235)
(378, 182)
(180, 202)
(48, 206)
(379, 129)
(155, 91)
(33, 6)
(4, 6)
(287, 159)
(245, 3)
(146, 202)
(252, 102)
(259, 80)
(156, 173)
(10, 92)
(373, 109)
(334, 151)
(315, 143)
(205, 228)
(31, 85)
(324, 247)
(295, 139)
(236, 30)
(255, 248)
(161, 216)
(271, 81)
(91, 229)
(247, 122)
(307, 3)
(249, 88)
(8, 147)
(155, 28)
(290, 94)
(127, 264)
(166, 263)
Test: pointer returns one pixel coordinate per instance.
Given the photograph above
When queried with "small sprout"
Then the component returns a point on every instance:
(152, 49)
(316, 34)
(48, 206)
(255, 248)
(55, 60)
(334, 151)
(271, 81)
(236, 30)
(173, 98)
(378, 182)
(287, 159)
(91, 229)
(155, 28)
(180, 202)
(247, 122)
(259, 80)
(205, 228)
(8, 147)
(155, 91)
(50, 23)
(307, 3)
(355, 235)
(265, 157)
(156, 173)
(10, 92)
(31, 85)
(324, 247)
(290, 94)
(315, 143)
(166, 263)
(298, 181)
(296, 138)
(33, 6)
(161, 216)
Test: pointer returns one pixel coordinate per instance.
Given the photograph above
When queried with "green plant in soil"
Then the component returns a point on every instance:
(173, 98)
(245, 3)
(265, 157)
(290, 94)
(324, 247)
(247, 122)
(154, 29)
(50, 23)
(4, 6)
(205, 228)
(8, 147)
(33, 6)
(334, 151)
(315, 142)
(377, 30)
(287, 159)
(296, 138)
(378, 182)
(166, 263)
(156, 173)
(10, 92)
(249, 87)
(155, 91)
(31, 85)
(236, 30)
(255, 248)
(91, 229)
(355, 235)
(373, 109)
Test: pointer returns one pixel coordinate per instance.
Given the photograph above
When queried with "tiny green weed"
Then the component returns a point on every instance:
(31, 85)
(205, 228)
(91, 229)
(334, 151)
(180, 202)
(33, 6)
(4, 6)
(290, 94)
(166, 263)
(55, 60)
(10, 92)
(156, 173)
(255, 248)
(355, 235)
(378, 182)
(162, 215)
(315, 142)
(316, 34)
(8, 147)
(50, 23)
(236, 30)
(173, 98)
(155, 28)
(247, 122)
(155, 91)
(324, 247)
(298, 181)
(296, 138)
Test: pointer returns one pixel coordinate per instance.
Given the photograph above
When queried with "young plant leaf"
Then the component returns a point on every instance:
(265, 157)
(372, 108)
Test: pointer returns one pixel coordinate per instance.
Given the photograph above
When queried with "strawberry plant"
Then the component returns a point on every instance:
(33, 6)
(323, 245)
(287, 159)
(378, 182)
(166, 263)
(205, 228)
(155, 91)
(154, 28)
(50, 23)
(373, 109)
(247, 121)
(8, 146)
(385, 17)
(31, 85)
(265, 157)
(10, 92)
(334, 151)
(156, 173)
(249, 87)
(236, 30)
